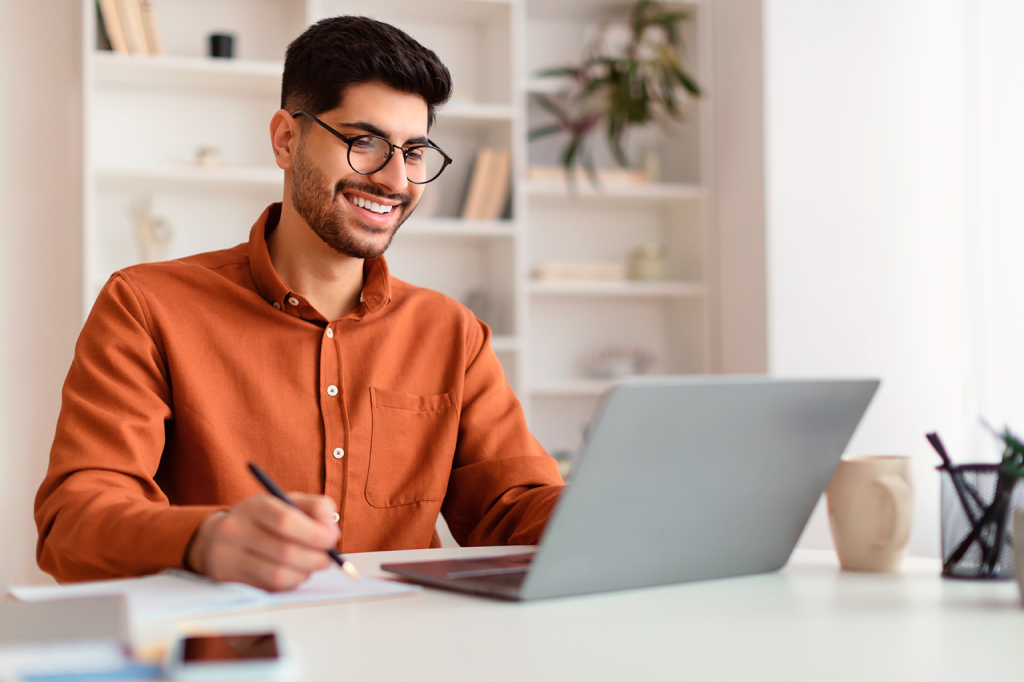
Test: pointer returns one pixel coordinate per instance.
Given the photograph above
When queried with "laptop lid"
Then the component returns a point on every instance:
(691, 478)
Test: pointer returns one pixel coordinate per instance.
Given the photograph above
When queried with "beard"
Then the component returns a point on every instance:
(316, 202)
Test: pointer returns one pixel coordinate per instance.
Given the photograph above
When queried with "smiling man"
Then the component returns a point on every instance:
(378, 403)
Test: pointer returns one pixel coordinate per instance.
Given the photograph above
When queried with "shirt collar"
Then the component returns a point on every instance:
(376, 278)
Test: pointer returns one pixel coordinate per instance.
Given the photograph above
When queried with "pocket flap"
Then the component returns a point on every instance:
(413, 403)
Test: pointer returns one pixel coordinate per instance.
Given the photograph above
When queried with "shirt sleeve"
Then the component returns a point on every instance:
(503, 485)
(99, 511)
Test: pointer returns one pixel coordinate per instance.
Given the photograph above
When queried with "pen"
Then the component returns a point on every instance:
(276, 491)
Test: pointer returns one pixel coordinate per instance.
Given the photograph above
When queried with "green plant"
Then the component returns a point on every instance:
(632, 87)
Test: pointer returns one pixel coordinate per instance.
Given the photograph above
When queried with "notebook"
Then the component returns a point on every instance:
(64, 637)
(174, 595)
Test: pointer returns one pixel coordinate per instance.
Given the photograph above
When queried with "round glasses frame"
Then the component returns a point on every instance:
(391, 149)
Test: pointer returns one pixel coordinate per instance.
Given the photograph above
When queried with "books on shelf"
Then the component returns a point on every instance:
(488, 189)
(112, 25)
(130, 26)
(579, 272)
(156, 43)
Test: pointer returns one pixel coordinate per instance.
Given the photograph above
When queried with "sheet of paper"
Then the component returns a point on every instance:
(166, 596)
(175, 595)
(331, 585)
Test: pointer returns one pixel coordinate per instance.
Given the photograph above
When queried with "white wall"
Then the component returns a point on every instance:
(40, 252)
(996, 216)
(876, 211)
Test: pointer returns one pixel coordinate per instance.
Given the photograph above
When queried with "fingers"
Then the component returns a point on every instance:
(295, 525)
(320, 507)
(267, 543)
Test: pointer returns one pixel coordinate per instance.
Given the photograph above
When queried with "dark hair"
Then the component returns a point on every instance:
(337, 53)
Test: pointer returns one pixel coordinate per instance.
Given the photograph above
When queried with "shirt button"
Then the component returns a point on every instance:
(330, 333)
(336, 517)
(292, 300)
(332, 390)
(277, 305)
(338, 453)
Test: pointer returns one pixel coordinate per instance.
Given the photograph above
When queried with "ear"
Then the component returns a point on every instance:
(284, 138)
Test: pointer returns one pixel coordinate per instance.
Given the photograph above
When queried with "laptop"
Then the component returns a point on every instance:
(678, 479)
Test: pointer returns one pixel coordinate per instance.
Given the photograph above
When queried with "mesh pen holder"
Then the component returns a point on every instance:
(977, 521)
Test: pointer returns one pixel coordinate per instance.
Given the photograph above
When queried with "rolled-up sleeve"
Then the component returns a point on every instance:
(99, 511)
(503, 484)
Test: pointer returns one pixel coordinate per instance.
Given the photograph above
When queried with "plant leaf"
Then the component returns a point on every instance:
(544, 131)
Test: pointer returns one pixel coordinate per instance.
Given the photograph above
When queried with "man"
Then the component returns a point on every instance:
(379, 403)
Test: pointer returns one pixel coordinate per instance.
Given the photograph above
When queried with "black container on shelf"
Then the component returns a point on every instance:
(222, 45)
(977, 521)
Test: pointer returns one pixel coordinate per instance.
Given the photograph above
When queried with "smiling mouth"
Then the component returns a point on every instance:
(372, 206)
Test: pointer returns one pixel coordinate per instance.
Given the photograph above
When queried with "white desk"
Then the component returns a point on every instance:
(807, 622)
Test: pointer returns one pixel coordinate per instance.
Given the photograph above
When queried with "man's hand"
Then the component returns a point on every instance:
(264, 542)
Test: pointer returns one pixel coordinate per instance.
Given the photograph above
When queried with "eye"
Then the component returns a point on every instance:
(363, 144)
(414, 155)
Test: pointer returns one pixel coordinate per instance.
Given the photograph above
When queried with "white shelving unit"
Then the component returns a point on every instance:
(145, 118)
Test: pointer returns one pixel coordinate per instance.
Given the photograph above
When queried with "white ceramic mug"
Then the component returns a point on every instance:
(870, 511)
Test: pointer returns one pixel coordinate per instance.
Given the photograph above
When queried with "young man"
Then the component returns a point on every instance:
(379, 403)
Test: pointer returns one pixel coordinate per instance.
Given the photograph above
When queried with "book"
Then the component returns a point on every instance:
(134, 28)
(579, 272)
(112, 25)
(64, 637)
(173, 595)
(156, 44)
(472, 208)
(102, 38)
(496, 195)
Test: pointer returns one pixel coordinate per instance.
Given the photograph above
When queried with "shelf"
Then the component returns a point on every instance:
(202, 73)
(572, 388)
(589, 10)
(549, 85)
(617, 288)
(654, 191)
(421, 11)
(252, 176)
(457, 227)
(504, 343)
(476, 111)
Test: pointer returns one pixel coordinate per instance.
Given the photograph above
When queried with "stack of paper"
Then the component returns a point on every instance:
(174, 595)
(64, 637)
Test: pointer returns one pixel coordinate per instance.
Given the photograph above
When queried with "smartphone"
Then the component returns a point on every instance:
(244, 656)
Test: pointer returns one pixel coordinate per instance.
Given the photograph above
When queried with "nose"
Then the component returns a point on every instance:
(393, 175)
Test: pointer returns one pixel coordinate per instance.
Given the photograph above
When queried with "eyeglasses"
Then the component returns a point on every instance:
(367, 154)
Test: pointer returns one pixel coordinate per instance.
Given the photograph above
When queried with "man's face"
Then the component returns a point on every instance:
(325, 188)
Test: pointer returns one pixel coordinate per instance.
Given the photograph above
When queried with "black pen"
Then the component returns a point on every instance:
(276, 491)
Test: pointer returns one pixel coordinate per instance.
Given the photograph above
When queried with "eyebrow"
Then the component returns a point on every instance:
(374, 130)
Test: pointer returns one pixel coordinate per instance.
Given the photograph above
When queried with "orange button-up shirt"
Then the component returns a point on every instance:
(187, 370)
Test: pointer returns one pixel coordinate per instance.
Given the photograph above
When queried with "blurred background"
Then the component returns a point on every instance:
(838, 202)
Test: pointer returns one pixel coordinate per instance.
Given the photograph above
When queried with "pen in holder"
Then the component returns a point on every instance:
(977, 504)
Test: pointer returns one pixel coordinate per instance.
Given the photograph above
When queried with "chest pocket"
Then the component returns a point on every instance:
(411, 447)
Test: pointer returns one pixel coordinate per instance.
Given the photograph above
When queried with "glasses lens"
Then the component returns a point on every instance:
(367, 154)
(423, 164)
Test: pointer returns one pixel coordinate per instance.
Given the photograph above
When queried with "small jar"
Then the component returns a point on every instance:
(649, 262)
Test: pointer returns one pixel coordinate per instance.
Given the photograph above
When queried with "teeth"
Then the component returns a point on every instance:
(383, 209)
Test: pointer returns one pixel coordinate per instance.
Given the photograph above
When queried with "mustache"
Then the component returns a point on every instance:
(372, 190)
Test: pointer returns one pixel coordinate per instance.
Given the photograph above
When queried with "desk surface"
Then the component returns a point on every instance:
(809, 621)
